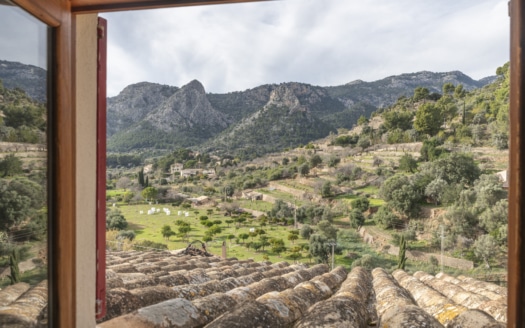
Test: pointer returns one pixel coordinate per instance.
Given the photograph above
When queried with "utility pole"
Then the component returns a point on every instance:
(442, 245)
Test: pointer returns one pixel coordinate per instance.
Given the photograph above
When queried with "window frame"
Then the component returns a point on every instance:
(60, 15)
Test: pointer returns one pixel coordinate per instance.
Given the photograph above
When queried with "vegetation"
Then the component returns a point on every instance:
(427, 153)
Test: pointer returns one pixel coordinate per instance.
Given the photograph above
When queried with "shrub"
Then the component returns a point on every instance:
(148, 244)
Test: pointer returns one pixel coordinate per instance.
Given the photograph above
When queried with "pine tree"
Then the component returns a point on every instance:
(14, 259)
(141, 177)
(146, 183)
(402, 250)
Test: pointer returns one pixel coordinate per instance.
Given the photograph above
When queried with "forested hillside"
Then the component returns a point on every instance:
(22, 119)
(419, 175)
(148, 116)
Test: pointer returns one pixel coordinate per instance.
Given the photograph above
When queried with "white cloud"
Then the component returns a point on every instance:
(323, 42)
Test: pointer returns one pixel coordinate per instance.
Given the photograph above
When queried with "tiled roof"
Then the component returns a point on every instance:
(148, 289)
(161, 289)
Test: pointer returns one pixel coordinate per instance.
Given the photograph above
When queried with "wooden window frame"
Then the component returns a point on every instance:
(60, 15)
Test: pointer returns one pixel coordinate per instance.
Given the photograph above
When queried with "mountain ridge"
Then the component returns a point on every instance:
(216, 120)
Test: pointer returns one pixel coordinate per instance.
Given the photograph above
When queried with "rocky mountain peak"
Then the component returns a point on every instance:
(188, 107)
(283, 96)
(194, 85)
(31, 79)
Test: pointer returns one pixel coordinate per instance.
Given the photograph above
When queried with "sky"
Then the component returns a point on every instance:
(321, 42)
(23, 38)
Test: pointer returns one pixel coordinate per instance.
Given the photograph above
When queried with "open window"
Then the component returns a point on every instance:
(27, 208)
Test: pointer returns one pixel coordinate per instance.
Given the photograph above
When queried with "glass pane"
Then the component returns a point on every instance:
(23, 169)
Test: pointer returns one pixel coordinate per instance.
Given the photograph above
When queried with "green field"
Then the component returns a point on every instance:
(257, 205)
(148, 227)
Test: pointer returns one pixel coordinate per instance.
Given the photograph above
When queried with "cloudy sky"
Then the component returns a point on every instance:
(22, 38)
(321, 42)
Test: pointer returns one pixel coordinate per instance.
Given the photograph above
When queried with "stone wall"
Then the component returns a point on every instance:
(420, 256)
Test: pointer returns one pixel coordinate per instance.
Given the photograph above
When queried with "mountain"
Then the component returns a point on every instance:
(259, 120)
(134, 103)
(31, 79)
(289, 118)
(385, 92)
(163, 117)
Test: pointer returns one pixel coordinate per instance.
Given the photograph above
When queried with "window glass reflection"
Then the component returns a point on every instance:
(23, 168)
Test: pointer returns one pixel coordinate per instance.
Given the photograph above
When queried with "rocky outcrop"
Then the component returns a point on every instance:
(187, 108)
(134, 103)
(31, 79)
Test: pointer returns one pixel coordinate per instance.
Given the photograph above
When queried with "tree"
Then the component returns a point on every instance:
(228, 190)
(401, 258)
(264, 241)
(333, 161)
(327, 230)
(420, 93)
(448, 108)
(278, 246)
(149, 193)
(184, 230)
(280, 210)
(428, 119)
(462, 221)
(293, 236)
(230, 237)
(326, 189)
(436, 189)
(306, 231)
(494, 217)
(14, 259)
(386, 218)
(489, 191)
(362, 120)
(115, 220)
(401, 120)
(244, 236)
(15, 207)
(356, 218)
(429, 150)
(126, 234)
(364, 142)
(486, 249)
(315, 160)
(362, 204)
(448, 88)
(454, 168)
(304, 169)
(215, 230)
(319, 248)
(166, 232)
(407, 163)
(405, 200)
(391, 184)
(141, 177)
(10, 165)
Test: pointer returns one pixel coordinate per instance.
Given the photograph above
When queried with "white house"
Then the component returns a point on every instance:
(177, 167)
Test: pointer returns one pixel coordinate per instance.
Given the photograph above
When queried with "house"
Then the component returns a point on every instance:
(78, 89)
(176, 168)
(210, 173)
(148, 168)
(252, 195)
(190, 173)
